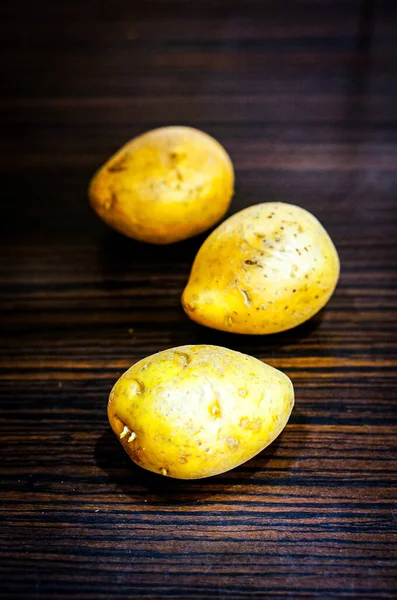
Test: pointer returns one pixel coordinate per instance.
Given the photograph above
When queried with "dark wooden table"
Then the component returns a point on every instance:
(304, 97)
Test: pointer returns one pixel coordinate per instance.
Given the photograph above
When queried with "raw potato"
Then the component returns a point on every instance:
(164, 186)
(195, 411)
(267, 268)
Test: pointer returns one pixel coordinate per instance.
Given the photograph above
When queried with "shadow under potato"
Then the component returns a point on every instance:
(126, 262)
(120, 255)
(137, 483)
(256, 345)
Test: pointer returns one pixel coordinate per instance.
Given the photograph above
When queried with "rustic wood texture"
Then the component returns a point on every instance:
(303, 94)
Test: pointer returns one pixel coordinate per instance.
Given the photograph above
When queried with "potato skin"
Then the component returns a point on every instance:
(266, 269)
(164, 186)
(195, 411)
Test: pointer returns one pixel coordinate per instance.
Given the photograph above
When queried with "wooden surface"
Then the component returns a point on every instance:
(303, 95)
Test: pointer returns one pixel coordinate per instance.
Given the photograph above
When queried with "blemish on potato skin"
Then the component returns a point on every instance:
(215, 410)
(232, 443)
(145, 366)
(119, 165)
(257, 424)
(229, 320)
(190, 306)
(138, 454)
(184, 355)
(254, 425)
(247, 298)
(139, 386)
(109, 202)
(244, 423)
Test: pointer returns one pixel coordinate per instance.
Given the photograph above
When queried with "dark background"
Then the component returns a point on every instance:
(303, 95)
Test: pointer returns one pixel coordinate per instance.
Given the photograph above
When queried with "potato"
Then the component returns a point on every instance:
(267, 268)
(195, 411)
(164, 186)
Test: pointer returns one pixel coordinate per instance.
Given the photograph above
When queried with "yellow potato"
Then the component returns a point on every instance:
(267, 268)
(195, 411)
(164, 186)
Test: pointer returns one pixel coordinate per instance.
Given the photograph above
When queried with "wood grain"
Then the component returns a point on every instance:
(303, 95)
